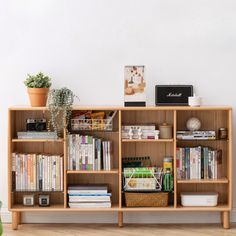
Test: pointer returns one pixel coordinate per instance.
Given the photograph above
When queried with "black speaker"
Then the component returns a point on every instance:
(173, 95)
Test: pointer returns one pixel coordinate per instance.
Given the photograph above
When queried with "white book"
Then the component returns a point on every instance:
(90, 205)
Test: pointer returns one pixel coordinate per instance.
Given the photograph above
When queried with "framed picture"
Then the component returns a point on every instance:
(135, 85)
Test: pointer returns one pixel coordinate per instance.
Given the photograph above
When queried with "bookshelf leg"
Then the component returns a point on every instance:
(19, 218)
(120, 219)
(226, 220)
(15, 219)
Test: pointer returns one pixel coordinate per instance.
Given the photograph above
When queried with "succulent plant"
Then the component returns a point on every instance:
(38, 81)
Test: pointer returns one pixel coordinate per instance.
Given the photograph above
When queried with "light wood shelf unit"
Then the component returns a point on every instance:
(211, 117)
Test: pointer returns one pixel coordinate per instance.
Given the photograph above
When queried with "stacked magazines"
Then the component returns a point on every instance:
(89, 196)
(196, 135)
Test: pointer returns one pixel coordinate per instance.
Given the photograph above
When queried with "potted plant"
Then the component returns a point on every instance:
(38, 86)
(60, 103)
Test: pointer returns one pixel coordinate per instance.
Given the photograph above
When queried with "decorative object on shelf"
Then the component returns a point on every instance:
(168, 181)
(134, 91)
(60, 103)
(157, 134)
(173, 95)
(28, 200)
(44, 200)
(1, 227)
(148, 131)
(131, 133)
(38, 87)
(223, 133)
(36, 124)
(193, 124)
(140, 133)
(194, 101)
(196, 199)
(165, 131)
(167, 164)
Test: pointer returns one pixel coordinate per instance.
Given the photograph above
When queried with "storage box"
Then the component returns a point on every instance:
(140, 184)
(152, 199)
(199, 199)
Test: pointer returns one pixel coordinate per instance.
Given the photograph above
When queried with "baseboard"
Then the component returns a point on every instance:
(145, 218)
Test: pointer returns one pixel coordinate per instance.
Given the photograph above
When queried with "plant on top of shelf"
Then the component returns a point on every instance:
(60, 103)
(38, 86)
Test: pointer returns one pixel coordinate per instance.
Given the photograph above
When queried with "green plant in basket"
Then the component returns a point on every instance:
(60, 103)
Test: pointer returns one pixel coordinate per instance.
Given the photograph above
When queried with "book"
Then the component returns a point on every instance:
(90, 205)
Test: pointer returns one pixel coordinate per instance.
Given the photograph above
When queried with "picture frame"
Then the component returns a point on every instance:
(134, 86)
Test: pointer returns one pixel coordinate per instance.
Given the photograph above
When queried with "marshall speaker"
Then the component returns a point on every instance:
(173, 95)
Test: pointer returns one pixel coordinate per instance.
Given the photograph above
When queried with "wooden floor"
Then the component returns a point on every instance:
(113, 230)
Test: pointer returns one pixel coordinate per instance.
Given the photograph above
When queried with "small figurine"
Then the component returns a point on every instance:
(156, 134)
(131, 133)
(140, 133)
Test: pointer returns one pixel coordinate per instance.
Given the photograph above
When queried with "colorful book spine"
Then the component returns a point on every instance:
(198, 163)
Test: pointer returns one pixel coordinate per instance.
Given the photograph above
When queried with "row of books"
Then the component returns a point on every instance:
(198, 163)
(89, 196)
(196, 135)
(88, 153)
(37, 172)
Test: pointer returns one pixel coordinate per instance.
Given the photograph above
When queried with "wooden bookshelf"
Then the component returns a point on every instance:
(212, 118)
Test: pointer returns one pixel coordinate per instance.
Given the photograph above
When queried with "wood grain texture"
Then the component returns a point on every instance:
(112, 229)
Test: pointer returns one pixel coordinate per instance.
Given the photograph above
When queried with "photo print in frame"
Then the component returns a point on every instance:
(134, 86)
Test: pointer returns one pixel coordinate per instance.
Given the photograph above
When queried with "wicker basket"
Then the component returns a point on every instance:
(134, 199)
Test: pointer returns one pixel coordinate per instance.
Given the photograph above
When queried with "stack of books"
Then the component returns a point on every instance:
(37, 135)
(89, 196)
(89, 153)
(148, 131)
(32, 172)
(198, 163)
(196, 135)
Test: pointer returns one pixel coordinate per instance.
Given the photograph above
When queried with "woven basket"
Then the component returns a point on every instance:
(146, 199)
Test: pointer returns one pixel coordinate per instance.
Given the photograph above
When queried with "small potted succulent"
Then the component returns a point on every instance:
(38, 86)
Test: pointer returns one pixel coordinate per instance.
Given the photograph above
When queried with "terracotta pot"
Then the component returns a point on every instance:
(38, 96)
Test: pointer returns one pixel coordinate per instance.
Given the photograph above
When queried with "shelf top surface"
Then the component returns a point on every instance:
(147, 108)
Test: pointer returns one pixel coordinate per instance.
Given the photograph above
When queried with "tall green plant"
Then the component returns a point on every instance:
(60, 103)
(37, 81)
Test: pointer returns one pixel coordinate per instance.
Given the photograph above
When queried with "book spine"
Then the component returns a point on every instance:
(13, 171)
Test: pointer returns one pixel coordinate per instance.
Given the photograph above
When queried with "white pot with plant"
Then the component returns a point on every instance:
(38, 87)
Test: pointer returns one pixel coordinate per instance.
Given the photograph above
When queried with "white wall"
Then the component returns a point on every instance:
(84, 44)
